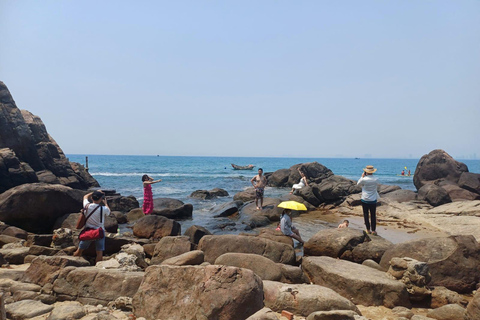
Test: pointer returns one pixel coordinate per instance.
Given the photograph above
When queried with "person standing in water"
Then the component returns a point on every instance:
(147, 193)
(259, 182)
(369, 199)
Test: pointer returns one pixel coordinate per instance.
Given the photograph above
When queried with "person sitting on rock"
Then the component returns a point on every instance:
(302, 183)
(344, 224)
(287, 228)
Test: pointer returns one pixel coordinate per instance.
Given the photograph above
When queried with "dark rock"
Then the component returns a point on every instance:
(15, 232)
(400, 195)
(183, 212)
(39, 239)
(434, 195)
(437, 165)
(39, 250)
(307, 193)
(68, 220)
(123, 204)
(373, 250)
(13, 172)
(195, 233)
(156, 227)
(135, 214)
(456, 193)
(218, 192)
(279, 178)
(453, 261)
(167, 203)
(256, 221)
(35, 207)
(292, 197)
(8, 239)
(337, 187)
(82, 172)
(470, 181)
(386, 188)
(269, 210)
(227, 209)
(202, 194)
(111, 224)
(120, 216)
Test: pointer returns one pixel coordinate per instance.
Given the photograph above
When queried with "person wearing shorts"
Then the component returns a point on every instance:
(259, 182)
(94, 201)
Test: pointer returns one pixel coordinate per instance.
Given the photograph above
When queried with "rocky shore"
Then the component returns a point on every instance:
(156, 271)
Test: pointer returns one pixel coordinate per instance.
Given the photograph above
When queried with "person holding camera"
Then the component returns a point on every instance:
(369, 199)
(96, 209)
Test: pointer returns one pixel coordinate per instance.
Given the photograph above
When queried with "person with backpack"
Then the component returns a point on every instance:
(95, 211)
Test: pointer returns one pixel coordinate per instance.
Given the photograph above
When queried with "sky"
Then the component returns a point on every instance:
(383, 79)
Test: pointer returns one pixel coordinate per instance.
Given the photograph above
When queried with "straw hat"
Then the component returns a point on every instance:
(369, 169)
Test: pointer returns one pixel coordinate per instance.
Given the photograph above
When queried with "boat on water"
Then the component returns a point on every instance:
(249, 167)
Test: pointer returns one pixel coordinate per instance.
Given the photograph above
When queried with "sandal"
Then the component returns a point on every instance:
(374, 233)
(367, 232)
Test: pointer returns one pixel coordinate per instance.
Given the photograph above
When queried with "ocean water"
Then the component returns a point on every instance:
(183, 175)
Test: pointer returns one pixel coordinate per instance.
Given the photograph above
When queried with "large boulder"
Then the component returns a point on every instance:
(195, 233)
(91, 285)
(434, 195)
(456, 193)
(210, 292)
(453, 261)
(303, 299)
(473, 308)
(400, 195)
(470, 181)
(265, 268)
(183, 212)
(44, 269)
(373, 250)
(209, 194)
(215, 246)
(361, 284)
(336, 187)
(435, 166)
(169, 247)
(35, 207)
(227, 209)
(333, 242)
(269, 210)
(275, 235)
(122, 204)
(194, 257)
(314, 171)
(448, 312)
(27, 309)
(156, 227)
(245, 196)
(13, 172)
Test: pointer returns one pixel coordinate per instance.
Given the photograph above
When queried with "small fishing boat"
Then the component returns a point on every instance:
(249, 167)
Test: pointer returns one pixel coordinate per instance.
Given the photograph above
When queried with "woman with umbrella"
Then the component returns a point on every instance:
(286, 225)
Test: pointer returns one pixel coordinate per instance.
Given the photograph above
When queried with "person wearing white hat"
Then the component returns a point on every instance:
(369, 199)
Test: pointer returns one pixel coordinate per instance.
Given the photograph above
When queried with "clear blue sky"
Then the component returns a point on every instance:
(248, 78)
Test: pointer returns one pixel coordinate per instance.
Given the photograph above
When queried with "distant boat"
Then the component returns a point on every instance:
(249, 167)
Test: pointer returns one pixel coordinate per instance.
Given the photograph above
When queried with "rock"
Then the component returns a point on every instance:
(434, 195)
(333, 242)
(15, 232)
(183, 212)
(376, 288)
(138, 251)
(195, 257)
(195, 233)
(44, 240)
(419, 317)
(269, 210)
(39, 250)
(470, 181)
(265, 268)
(373, 250)
(255, 221)
(387, 188)
(437, 165)
(167, 203)
(292, 197)
(206, 195)
(62, 238)
(26, 309)
(275, 235)
(169, 247)
(336, 187)
(68, 220)
(67, 310)
(372, 264)
(122, 303)
(135, 214)
(211, 292)
(120, 217)
(44, 270)
(292, 274)
(414, 274)
(459, 208)
(122, 203)
(333, 315)
(245, 196)
(218, 192)
(91, 285)
(279, 178)
(264, 314)
(310, 195)
(14, 172)
(214, 246)
(444, 252)
(456, 193)
(227, 209)
(303, 299)
(14, 255)
(447, 312)
(402, 312)
(156, 227)
(35, 207)
(473, 308)
(441, 296)
(353, 200)
(8, 239)
(400, 195)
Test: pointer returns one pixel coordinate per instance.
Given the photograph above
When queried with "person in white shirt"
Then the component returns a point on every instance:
(369, 199)
(100, 210)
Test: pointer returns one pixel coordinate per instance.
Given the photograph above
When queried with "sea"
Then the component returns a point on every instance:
(183, 175)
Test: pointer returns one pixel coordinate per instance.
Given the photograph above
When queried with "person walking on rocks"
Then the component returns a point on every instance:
(302, 183)
(369, 199)
(147, 193)
(95, 205)
(259, 182)
(288, 228)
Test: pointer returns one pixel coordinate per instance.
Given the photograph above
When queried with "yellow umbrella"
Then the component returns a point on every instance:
(292, 205)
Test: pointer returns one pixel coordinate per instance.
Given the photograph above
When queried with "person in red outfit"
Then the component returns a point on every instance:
(147, 193)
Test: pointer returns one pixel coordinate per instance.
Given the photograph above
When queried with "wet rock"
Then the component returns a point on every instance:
(227, 209)
(207, 195)
(199, 291)
(26, 309)
(375, 287)
(195, 233)
(29, 206)
(195, 257)
(333, 242)
(460, 251)
(183, 212)
(265, 268)
(303, 299)
(447, 312)
(214, 246)
(156, 227)
(169, 247)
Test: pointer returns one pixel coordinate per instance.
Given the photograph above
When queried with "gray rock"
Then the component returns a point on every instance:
(400, 195)
(227, 209)
(67, 310)
(372, 264)
(245, 196)
(447, 312)
(26, 309)
(333, 315)
(333, 242)
(373, 249)
(434, 195)
(14, 255)
(264, 314)
(195, 233)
